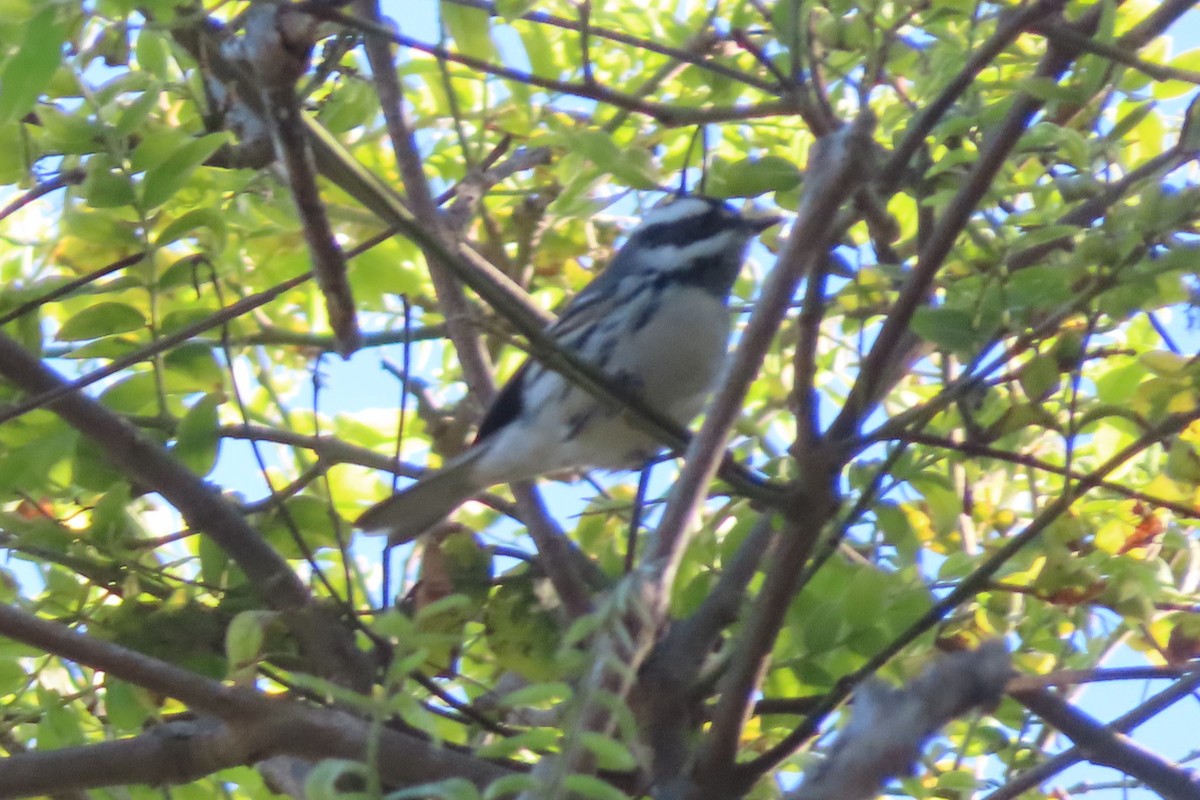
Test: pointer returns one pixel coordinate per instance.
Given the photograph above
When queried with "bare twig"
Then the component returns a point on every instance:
(684, 55)
(1067, 37)
(984, 451)
(666, 114)
(68, 177)
(1072, 677)
(162, 344)
(70, 286)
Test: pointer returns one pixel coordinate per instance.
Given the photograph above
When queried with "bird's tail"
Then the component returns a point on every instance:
(407, 514)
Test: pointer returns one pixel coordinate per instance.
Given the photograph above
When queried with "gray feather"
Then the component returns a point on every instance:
(407, 514)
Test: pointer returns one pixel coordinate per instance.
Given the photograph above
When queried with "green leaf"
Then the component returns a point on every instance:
(511, 786)
(196, 219)
(610, 753)
(471, 29)
(13, 677)
(105, 188)
(513, 9)
(29, 71)
(245, 638)
(630, 165)
(102, 319)
(1183, 464)
(1169, 90)
(166, 178)
(193, 367)
(950, 328)
(449, 789)
(128, 706)
(591, 786)
(197, 441)
(752, 177)
(1165, 363)
(1039, 287)
(537, 694)
(1039, 377)
(534, 739)
(133, 115)
(151, 51)
(1047, 233)
(58, 726)
(326, 780)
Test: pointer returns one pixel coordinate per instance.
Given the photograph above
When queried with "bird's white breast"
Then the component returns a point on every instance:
(678, 354)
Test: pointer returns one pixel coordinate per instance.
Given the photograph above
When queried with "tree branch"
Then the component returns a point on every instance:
(835, 167)
(477, 368)
(664, 114)
(984, 451)
(1179, 690)
(889, 727)
(870, 384)
(1101, 745)
(1009, 28)
(965, 589)
(327, 645)
(666, 694)
(258, 727)
(684, 55)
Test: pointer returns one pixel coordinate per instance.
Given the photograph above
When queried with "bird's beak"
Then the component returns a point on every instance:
(760, 223)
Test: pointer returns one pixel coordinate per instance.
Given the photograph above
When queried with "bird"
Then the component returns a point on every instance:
(656, 321)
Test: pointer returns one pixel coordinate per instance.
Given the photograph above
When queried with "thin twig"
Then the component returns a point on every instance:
(666, 114)
(69, 177)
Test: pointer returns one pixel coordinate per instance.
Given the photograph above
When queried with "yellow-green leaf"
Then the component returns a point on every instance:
(102, 319)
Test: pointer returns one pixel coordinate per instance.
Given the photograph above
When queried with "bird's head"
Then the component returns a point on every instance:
(700, 240)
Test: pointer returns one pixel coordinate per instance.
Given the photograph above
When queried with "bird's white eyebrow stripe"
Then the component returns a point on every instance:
(680, 209)
(676, 258)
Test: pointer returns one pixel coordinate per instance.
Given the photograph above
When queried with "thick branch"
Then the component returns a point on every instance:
(1179, 690)
(666, 689)
(889, 727)
(1107, 747)
(258, 727)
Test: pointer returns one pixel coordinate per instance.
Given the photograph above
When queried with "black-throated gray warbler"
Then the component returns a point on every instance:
(655, 319)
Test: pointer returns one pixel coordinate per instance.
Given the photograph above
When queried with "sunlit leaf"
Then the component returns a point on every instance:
(29, 71)
(102, 319)
(164, 179)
